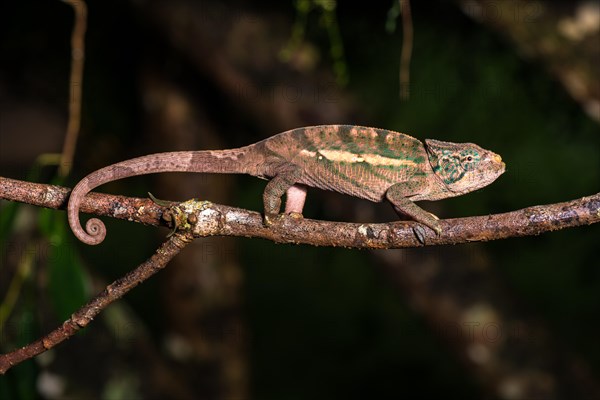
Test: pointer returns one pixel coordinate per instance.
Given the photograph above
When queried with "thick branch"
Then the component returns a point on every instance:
(85, 314)
(212, 219)
(222, 220)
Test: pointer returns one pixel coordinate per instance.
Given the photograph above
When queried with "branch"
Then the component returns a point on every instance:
(144, 211)
(86, 314)
(197, 218)
(75, 82)
(208, 219)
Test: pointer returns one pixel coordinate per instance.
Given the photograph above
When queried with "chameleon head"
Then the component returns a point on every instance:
(463, 167)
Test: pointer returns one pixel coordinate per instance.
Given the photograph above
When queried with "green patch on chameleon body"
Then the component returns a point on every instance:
(449, 169)
(344, 157)
(378, 143)
(452, 167)
(384, 155)
(375, 171)
(368, 165)
(398, 146)
(306, 142)
(409, 155)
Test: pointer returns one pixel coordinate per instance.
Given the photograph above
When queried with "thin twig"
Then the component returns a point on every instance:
(82, 317)
(75, 83)
(407, 45)
(218, 220)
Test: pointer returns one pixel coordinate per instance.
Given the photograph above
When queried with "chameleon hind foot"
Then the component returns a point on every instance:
(271, 219)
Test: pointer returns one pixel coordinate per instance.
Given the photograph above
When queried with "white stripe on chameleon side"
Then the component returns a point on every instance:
(372, 159)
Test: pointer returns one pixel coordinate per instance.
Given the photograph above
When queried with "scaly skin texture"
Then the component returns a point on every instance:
(368, 163)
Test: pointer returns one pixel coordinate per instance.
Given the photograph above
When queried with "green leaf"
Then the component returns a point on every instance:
(67, 280)
(19, 381)
(45, 221)
(7, 218)
(392, 16)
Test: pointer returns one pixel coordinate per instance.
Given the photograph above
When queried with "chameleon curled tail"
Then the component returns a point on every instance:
(221, 161)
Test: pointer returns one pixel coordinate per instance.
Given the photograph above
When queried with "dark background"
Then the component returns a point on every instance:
(246, 318)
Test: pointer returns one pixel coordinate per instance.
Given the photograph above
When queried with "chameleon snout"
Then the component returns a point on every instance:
(496, 159)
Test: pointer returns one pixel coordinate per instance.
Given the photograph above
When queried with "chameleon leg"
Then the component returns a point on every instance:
(284, 180)
(397, 196)
(294, 199)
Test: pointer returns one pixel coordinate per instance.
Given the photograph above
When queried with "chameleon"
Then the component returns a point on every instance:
(368, 163)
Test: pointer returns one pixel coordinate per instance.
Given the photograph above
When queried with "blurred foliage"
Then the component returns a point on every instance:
(326, 10)
(21, 329)
(67, 280)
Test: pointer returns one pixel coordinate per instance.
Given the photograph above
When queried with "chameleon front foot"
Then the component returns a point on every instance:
(429, 220)
(404, 206)
(433, 222)
(419, 230)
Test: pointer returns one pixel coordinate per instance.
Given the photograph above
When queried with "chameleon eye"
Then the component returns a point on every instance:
(469, 159)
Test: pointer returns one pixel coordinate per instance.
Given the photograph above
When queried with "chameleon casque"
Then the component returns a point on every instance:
(368, 163)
